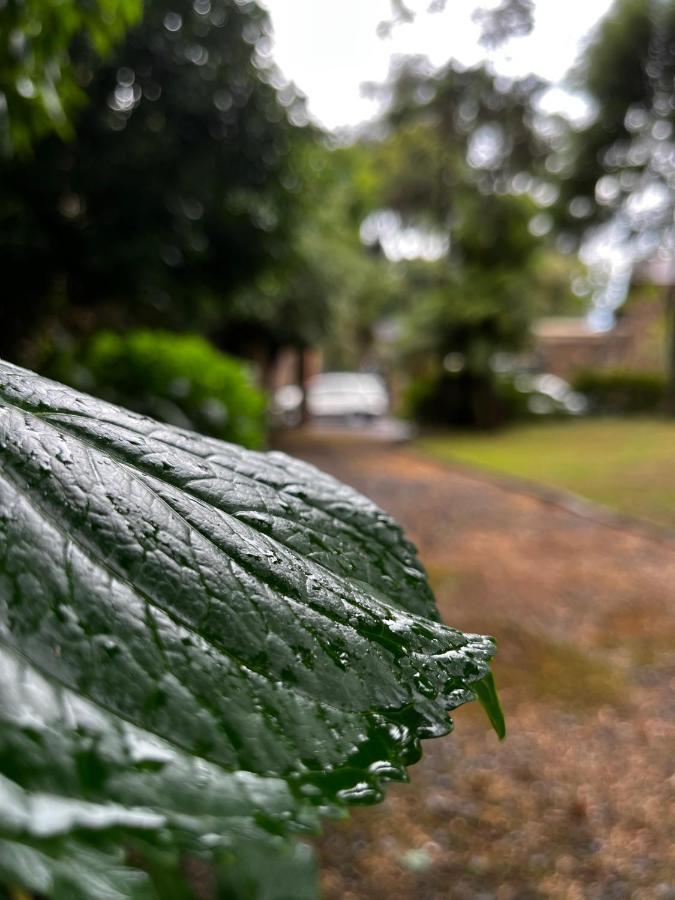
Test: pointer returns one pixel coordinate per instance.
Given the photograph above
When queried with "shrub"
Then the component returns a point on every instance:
(460, 399)
(486, 401)
(203, 650)
(178, 378)
(621, 392)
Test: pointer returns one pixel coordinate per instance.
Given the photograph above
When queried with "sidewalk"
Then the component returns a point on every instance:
(579, 801)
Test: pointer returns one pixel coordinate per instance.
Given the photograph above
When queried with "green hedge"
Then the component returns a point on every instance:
(178, 378)
(621, 392)
(448, 398)
(467, 400)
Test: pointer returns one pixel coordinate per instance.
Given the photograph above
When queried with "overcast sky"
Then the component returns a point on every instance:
(330, 47)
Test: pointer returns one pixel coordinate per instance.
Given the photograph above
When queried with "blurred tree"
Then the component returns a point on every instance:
(469, 309)
(472, 127)
(457, 316)
(504, 20)
(456, 172)
(558, 284)
(619, 171)
(620, 166)
(499, 21)
(362, 286)
(178, 187)
(38, 86)
(332, 290)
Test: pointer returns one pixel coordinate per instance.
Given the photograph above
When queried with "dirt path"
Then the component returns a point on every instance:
(579, 801)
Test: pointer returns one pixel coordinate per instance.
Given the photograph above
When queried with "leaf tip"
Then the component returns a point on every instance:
(489, 699)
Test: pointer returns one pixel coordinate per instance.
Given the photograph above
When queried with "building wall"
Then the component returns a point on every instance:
(636, 343)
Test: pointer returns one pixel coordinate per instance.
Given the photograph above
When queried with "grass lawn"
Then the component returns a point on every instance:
(628, 464)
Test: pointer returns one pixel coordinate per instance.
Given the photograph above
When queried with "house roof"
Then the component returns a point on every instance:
(558, 327)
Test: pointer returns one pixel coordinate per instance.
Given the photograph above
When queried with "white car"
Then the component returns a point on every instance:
(343, 395)
(347, 394)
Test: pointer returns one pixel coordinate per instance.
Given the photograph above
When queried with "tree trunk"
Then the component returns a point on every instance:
(669, 300)
(301, 377)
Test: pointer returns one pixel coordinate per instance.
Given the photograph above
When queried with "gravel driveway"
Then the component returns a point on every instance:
(579, 801)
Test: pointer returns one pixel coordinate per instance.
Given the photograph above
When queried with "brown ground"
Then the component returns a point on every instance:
(579, 801)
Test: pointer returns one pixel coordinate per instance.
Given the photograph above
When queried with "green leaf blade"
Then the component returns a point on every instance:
(226, 643)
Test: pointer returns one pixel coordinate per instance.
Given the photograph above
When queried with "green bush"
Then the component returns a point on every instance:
(178, 378)
(467, 400)
(620, 392)
(461, 399)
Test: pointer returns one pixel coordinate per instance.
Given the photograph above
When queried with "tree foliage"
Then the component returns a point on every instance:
(498, 21)
(39, 87)
(620, 166)
(454, 149)
(177, 187)
(458, 128)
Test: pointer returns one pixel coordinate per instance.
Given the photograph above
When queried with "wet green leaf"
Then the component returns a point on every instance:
(203, 650)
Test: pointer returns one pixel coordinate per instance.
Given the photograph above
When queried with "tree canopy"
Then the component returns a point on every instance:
(39, 87)
(191, 193)
(620, 166)
(176, 187)
(453, 144)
